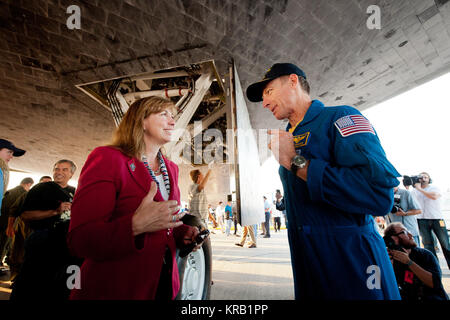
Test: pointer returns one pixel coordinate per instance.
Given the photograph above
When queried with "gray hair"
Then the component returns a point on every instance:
(72, 164)
(302, 81)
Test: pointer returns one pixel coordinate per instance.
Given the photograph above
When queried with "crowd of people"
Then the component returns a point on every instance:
(125, 216)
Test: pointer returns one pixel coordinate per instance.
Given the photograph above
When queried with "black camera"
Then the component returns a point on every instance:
(411, 180)
(390, 244)
(198, 240)
(201, 236)
(396, 206)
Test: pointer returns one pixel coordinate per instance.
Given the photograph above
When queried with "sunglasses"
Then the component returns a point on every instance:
(405, 232)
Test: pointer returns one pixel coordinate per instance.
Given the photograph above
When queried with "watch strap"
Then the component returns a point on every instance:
(294, 168)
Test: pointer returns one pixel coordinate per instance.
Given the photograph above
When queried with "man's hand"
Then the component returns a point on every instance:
(400, 212)
(64, 206)
(153, 216)
(400, 256)
(418, 186)
(282, 146)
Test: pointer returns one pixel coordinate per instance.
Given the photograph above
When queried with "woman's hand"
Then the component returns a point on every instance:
(153, 216)
(190, 237)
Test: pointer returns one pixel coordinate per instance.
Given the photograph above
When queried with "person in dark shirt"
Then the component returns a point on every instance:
(19, 230)
(280, 205)
(46, 210)
(417, 270)
(7, 221)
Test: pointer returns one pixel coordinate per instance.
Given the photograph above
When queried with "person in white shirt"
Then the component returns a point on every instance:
(431, 218)
(220, 210)
(276, 218)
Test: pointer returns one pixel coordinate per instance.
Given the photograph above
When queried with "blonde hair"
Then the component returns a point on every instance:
(129, 136)
(5, 170)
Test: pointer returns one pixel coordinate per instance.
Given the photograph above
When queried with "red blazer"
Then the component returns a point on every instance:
(118, 265)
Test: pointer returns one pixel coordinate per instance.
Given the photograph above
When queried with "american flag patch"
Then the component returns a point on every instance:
(349, 125)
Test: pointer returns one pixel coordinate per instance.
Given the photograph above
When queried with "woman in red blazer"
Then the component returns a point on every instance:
(124, 219)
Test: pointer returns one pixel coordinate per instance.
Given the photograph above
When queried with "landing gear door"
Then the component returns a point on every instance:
(248, 176)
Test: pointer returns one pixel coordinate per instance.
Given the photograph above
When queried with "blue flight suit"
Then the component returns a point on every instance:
(336, 251)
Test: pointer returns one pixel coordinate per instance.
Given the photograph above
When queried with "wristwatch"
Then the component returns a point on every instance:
(297, 162)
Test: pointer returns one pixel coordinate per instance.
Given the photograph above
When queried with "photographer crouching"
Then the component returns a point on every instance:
(417, 270)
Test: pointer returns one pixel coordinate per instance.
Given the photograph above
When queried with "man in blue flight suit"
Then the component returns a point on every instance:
(336, 178)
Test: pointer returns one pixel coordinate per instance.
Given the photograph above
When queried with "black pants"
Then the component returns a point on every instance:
(277, 222)
(4, 243)
(426, 226)
(267, 223)
(43, 274)
(164, 291)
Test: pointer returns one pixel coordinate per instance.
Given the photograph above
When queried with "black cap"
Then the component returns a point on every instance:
(8, 145)
(254, 91)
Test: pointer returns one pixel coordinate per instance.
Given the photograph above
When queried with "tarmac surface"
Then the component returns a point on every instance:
(262, 273)
(242, 273)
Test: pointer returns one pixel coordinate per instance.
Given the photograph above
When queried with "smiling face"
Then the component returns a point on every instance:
(6, 154)
(158, 127)
(62, 172)
(145, 124)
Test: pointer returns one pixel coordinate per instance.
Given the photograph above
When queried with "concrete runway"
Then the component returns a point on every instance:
(261, 273)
